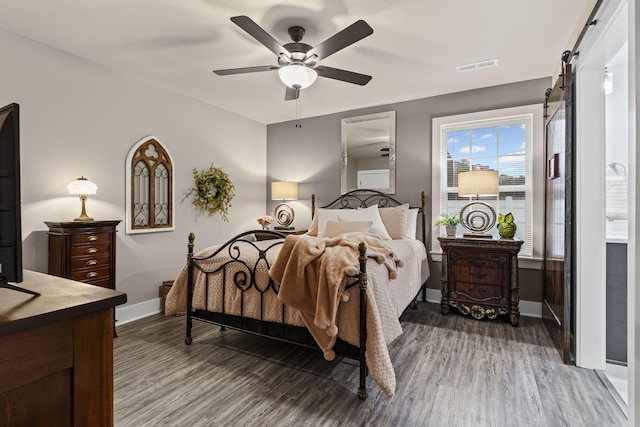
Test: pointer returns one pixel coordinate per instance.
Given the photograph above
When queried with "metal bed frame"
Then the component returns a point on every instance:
(244, 279)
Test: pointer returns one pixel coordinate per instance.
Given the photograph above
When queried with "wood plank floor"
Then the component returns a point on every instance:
(451, 371)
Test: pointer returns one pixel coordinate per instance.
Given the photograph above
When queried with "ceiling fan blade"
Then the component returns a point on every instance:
(261, 35)
(343, 75)
(356, 31)
(245, 70)
(290, 93)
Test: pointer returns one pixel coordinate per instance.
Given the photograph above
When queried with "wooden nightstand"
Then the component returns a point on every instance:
(480, 277)
(267, 236)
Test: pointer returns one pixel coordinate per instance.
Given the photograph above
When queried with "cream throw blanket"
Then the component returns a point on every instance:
(312, 274)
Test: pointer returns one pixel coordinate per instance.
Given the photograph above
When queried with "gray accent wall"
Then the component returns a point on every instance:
(308, 151)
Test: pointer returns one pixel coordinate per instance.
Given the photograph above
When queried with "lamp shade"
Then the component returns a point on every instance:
(297, 75)
(284, 190)
(82, 186)
(478, 183)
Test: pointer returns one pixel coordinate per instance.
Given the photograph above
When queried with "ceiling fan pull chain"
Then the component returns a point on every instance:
(298, 112)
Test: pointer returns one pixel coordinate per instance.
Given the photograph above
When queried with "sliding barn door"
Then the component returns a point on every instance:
(558, 296)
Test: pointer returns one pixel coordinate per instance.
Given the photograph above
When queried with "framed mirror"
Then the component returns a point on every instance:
(368, 152)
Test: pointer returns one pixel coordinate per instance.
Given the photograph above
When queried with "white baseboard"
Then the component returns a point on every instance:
(133, 312)
(527, 308)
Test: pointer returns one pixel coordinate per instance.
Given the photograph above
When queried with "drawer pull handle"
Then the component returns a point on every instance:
(92, 262)
(91, 250)
(478, 275)
(92, 239)
(91, 275)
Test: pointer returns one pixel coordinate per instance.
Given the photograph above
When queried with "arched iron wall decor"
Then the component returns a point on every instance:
(149, 188)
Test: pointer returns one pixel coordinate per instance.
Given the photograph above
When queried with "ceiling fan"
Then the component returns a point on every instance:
(297, 61)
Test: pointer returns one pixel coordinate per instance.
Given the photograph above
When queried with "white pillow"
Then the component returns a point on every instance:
(412, 221)
(324, 215)
(368, 214)
(335, 228)
(395, 220)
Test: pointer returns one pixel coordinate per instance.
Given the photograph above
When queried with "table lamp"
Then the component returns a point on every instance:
(283, 214)
(477, 216)
(82, 187)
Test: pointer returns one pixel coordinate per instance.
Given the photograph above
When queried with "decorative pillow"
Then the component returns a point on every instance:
(335, 228)
(368, 214)
(395, 220)
(412, 221)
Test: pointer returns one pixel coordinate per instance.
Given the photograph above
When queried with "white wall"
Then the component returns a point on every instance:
(80, 118)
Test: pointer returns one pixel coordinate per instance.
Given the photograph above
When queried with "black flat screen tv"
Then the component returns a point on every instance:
(10, 219)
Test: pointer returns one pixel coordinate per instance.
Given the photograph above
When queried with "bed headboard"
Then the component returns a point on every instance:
(364, 198)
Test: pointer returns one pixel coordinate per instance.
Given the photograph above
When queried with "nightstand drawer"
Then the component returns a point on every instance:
(93, 238)
(478, 259)
(484, 275)
(92, 250)
(475, 292)
(92, 274)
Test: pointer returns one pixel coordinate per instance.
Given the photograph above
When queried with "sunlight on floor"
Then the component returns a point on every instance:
(617, 374)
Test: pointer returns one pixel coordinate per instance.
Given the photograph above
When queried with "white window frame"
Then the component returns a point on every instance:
(534, 172)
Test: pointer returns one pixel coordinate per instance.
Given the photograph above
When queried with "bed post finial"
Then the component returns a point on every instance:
(192, 238)
(313, 205)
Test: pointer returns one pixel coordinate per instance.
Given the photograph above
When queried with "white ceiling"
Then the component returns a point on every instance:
(412, 53)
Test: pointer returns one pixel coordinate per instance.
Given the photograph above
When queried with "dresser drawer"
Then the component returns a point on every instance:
(475, 292)
(95, 250)
(89, 238)
(92, 274)
(90, 261)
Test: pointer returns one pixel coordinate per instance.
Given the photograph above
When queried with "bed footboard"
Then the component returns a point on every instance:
(247, 280)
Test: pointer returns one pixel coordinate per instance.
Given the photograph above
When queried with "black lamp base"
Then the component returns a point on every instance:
(279, 227)
(477, 236)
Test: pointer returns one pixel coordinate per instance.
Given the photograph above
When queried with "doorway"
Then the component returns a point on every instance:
(602, 212)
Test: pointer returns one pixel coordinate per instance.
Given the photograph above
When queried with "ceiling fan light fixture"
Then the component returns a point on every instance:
(297, 76)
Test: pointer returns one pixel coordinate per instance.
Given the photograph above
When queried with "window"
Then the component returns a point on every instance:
(502, 140)
(149, 187)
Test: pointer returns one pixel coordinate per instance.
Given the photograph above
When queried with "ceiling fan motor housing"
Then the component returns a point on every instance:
(297, 61)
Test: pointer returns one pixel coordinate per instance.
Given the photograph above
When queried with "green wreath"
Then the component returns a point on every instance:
(213, 192)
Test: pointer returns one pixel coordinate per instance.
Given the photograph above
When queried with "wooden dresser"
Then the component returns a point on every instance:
(84, 251)
(56, 353)
(480, 277)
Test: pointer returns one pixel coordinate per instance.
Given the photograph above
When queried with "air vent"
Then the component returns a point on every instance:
(477, 65)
